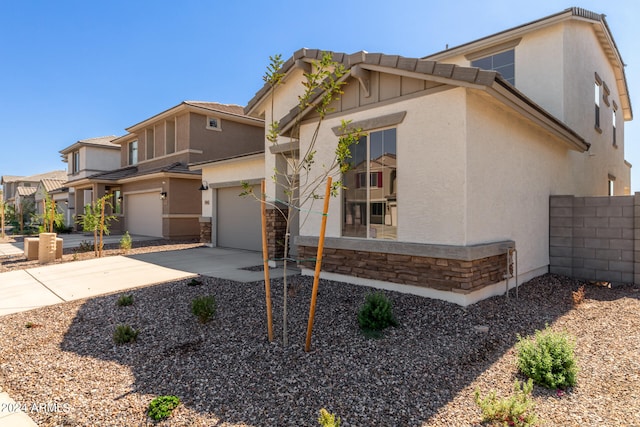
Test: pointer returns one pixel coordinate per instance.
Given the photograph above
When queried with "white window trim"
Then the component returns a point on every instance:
(218, 121)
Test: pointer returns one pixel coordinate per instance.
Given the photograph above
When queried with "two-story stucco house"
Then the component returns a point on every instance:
(84, 158)
(153, 191)
(464, 148)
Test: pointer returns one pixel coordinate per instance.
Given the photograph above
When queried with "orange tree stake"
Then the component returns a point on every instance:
(316, 276)
(265, 258)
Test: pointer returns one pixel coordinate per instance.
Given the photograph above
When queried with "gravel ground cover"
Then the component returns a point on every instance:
(226, 373)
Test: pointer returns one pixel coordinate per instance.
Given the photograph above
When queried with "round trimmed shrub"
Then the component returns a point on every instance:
(548, 359)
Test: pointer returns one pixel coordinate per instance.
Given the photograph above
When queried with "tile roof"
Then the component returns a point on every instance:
(10, 178)
(215, 106)
(51, 184)
(100, 140)
(417, 65)
(25, 191)
(132, 172)
(446, 73)
(59, 174)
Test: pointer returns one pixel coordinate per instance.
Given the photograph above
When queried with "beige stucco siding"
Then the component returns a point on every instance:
(431, 168)
(513, 167)
(583, 59)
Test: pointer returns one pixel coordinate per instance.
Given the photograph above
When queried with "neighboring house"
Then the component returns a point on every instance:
(459, 162)
(85, 158)
(11, 184)
(153, 191)
(56, 190)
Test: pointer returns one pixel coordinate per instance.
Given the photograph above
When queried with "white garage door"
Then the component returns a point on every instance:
(143, 214)
(238, 220)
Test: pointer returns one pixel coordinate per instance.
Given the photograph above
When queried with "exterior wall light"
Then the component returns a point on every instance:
(204, 186)
(163, 195)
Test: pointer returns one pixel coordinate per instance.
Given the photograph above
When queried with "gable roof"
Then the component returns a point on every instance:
(9, 178)
(228, 111)
(101, 141)
(455, 75)
(600, 27)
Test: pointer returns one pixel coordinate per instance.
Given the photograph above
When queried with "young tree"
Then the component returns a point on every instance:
(322, 87)
(95, 219)
(50, 217)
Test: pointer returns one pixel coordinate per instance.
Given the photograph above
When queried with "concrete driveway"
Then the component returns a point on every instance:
(23, 290)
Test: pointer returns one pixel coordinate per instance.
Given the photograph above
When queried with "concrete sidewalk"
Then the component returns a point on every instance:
(23, 290)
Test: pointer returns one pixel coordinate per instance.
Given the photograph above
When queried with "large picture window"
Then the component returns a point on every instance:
(370, 203)
(503, 62)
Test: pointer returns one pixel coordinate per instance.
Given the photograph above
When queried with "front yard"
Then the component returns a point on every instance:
(226, 373)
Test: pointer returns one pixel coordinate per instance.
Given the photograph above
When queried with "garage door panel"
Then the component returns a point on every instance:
(143, 213)
(238, 220)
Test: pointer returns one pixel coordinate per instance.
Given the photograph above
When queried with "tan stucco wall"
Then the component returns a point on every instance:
(431, 168)
(513, 167)
(555, 67)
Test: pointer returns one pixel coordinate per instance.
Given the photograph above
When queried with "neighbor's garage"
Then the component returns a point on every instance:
(238, 220)
(143, 214)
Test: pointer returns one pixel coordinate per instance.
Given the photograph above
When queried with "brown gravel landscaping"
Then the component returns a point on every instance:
(226, 373)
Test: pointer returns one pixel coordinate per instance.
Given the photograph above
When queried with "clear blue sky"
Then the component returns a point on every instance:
(71, 70)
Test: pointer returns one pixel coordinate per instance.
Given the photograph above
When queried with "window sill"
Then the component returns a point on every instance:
(597, 128)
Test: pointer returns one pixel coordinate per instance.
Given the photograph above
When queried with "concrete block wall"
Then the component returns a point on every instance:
(594, 238)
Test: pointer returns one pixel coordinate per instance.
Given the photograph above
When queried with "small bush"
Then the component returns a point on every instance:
(516, 410)
(376, 314)
(162, 406)
(204, 308)
(125, 242)
(194, 282)
(125, 300)
(548, 359)
(85, 246)
(578, 296)
(124, 334)
(327, 419)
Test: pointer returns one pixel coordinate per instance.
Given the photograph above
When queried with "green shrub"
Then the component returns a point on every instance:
(124, 334)
(125, 300)
(204, 308)
(125, 241)
(161, 407)
(327, 419)
(85, 246)
(548, 359)
(376, 314)
(516, 410)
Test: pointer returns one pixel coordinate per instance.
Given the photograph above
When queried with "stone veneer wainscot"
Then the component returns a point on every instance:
(461, 269)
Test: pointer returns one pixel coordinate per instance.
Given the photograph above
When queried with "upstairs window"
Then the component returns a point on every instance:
(133, 152)
(75, 162)
(503, 62)
(597, 96)
(613, 124)
(213, 123)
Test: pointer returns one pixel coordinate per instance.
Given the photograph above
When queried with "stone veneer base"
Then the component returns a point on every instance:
(458, 269)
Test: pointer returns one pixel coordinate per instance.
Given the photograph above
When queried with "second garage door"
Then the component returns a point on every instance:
(143, 214)
(238, 220)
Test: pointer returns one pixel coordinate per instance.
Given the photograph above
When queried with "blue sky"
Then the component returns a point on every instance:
(71, 70)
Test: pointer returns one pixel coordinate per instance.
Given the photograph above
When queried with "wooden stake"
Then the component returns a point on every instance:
(101, 225)
(53, 215)
(316, 276)
(265, 258)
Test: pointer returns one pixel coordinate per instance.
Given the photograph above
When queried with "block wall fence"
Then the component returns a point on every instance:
(595, 238)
